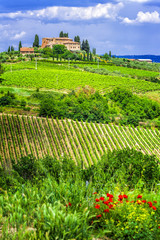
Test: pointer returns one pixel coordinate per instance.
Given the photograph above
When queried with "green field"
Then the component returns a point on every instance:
(66, 77)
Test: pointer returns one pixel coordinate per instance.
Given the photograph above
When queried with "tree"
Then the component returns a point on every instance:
(36, 41)
(59, 49)
(12, 49)
(94, 51)
(106, 56)
(77, 39)
(85, 46)
(91, 58)
(110, 53)
(9, 49)
(62, 34)
(20, 46)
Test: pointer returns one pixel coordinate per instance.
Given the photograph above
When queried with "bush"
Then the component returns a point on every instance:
(134, 165)
(27, 167)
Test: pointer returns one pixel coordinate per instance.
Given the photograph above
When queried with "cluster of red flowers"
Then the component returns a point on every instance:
(107, 203)
(121, 198)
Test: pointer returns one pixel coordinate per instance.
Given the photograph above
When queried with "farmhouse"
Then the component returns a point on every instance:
(144, 60)
(69, 43)
(26, 50)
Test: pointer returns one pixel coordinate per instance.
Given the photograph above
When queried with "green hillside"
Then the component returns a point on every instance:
(82, 141)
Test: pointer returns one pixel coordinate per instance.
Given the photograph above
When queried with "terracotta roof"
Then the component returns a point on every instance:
(26, 49)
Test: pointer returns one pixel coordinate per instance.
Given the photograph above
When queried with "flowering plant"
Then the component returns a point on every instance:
(127, 219)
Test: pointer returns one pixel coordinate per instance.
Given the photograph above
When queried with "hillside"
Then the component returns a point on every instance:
(22, 135)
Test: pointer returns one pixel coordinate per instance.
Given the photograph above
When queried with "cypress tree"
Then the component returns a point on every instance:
(61, 34)
(20, 46)
(36, 41)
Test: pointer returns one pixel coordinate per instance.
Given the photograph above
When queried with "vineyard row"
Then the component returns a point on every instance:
(23, 135)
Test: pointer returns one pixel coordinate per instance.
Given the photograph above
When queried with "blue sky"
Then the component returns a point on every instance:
(120, 26)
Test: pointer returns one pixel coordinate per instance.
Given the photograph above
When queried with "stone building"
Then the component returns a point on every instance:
(69, 43)
(26, 50)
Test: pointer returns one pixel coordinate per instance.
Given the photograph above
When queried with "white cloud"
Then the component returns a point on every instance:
(107, 10)
(18, 35)
(147, 17)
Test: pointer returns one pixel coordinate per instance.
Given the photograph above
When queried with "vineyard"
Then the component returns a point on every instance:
(64, 76)
(23, 135)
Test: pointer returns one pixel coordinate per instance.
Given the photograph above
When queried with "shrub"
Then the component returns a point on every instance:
(134, 165)
(27, 167)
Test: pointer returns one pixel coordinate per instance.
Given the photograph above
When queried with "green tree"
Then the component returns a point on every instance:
(12, 49)
(87, 56)
(77, 39)
(110, 53)
(9, 49)
(106, 56)
(85, 46)
(91, 58)
(62, 34)
(94, 51)
(36, 41)
(20, 46)
(59, 49)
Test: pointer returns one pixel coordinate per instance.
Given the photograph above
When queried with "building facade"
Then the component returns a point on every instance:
(69, 43)
(26, 50)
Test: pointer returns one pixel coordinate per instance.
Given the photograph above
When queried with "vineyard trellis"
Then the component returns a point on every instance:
(81, 141)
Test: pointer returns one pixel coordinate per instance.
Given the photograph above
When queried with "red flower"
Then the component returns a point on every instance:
(139, 196)
(97, 200)
(106, 202)
(69, 204)
(138, 201)
(150, 204)
(155, 201)
(110, 200)
(132, 201)
(66, 205)
(98, 216)
(120, 197)
(125, 196)
(106, 210)
(109, 195)
(95, 193)
(111, 206)
(97, 206)
(159, 227)
(102, 198)
(144, 201)
(154, 208)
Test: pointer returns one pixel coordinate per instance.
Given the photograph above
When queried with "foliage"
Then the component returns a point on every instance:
(73, 208)
(80, 106)
(134, 106)
(69, 78)
(26, 167)
(36, 41)
(85, 46)
(19, 46)
(77, 39)
(127, 166)
(59, 49)
(62, 34)
(123, 218)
